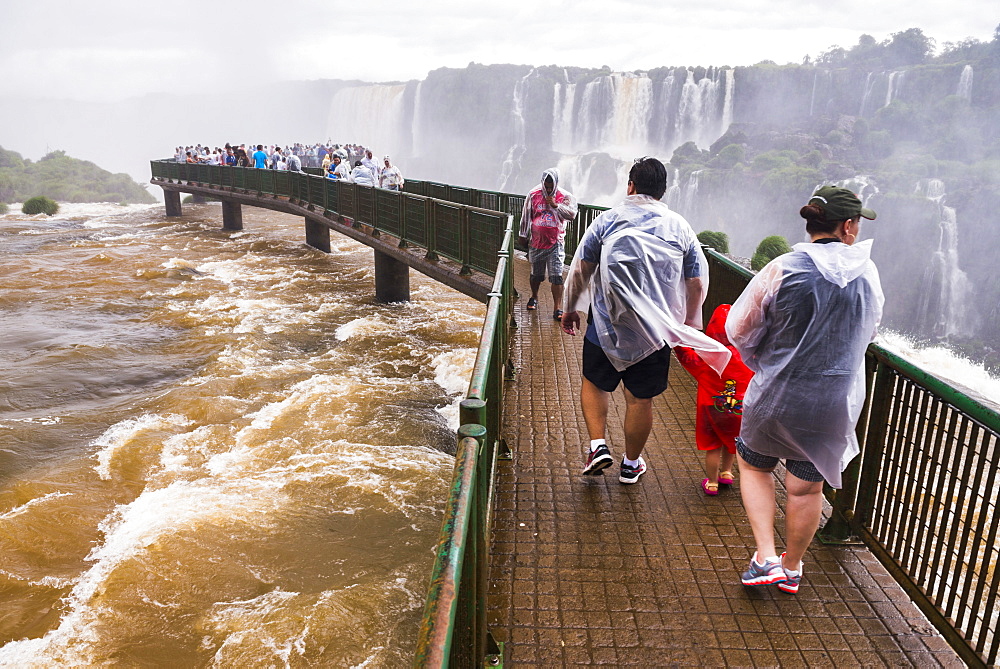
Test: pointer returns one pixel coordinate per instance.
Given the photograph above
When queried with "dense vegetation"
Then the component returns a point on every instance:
(40, 205)
(716, 240)
(66, 179)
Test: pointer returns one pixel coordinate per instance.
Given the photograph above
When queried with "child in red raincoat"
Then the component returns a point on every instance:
(719, 408)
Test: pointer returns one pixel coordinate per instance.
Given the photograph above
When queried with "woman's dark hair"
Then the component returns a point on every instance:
(816, 223)
(649, 177)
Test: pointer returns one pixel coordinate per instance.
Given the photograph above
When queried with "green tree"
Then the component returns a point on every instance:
(769, 249)
(716, 240)
(40, 205)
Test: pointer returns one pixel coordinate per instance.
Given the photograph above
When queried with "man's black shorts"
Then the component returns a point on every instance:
(644, 379)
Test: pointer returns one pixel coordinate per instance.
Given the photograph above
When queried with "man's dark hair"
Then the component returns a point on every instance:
(260, 147)
(649, 177)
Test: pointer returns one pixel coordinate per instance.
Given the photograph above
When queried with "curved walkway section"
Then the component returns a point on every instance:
(588, 571)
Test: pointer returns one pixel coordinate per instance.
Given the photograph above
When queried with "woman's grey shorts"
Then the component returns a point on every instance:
(547, 261)
(803, 469)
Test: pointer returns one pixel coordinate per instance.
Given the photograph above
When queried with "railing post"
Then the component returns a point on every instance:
(430, 217)
(878, 425)
(838, 528)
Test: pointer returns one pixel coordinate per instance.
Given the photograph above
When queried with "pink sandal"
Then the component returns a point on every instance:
(709, 488)
(726, 477)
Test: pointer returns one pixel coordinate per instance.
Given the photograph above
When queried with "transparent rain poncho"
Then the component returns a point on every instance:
(636, 291)
(803, 325)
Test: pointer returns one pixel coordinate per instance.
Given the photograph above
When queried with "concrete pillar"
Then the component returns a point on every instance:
(172, 199)
(318, 236)
(232, 215)
(392, 279)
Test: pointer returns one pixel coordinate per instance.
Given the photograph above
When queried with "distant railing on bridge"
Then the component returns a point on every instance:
(465, 234)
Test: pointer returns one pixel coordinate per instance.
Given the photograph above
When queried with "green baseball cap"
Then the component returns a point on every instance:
(840, 204)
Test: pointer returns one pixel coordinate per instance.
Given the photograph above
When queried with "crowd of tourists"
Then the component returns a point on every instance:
(780, 371)
(352, 163)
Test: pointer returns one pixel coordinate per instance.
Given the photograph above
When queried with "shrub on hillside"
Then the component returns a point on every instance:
(40, 205)
(3, 208)
(716, 240)
(769, 249)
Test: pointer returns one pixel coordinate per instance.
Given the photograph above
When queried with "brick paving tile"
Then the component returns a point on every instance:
(586, 571)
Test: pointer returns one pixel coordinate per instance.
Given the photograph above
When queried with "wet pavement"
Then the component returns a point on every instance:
(588, 571)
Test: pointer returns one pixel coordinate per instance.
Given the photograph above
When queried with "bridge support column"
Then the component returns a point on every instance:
(172, 200)
(392, 279)
(232, 216)
(318, 236)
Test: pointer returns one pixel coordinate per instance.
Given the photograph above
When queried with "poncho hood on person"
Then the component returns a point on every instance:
(639, 293)
(542, 224)
(803, 324)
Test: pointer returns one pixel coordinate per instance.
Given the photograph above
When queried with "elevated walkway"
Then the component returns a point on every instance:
(587, 571)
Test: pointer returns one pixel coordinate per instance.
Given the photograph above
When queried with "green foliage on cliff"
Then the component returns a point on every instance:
(769, 249)
(716, 240)
(40, 205)
(3, 208)
(65, 179)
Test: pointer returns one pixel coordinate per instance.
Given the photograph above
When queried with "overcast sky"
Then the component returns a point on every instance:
(111, 49)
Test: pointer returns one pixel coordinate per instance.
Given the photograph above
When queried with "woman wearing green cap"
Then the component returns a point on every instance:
(802, 325)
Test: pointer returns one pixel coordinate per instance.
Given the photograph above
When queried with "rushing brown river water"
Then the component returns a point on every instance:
(215, 448)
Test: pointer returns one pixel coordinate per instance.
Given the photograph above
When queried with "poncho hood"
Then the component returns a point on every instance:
(839, 263)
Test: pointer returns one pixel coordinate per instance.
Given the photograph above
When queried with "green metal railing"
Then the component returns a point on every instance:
(453, 630)
(923, 494)
(463, 233)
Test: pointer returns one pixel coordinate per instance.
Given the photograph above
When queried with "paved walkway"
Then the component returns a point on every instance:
(588, 571)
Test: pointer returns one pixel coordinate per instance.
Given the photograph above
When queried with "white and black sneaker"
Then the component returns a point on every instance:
(631, 474)
(598, 460)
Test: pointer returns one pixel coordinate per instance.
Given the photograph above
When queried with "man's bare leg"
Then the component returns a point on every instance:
(638, 423)
(557, 296)
(594, 403)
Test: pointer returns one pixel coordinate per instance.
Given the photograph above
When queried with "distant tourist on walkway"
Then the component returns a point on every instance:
(802, 325)
(294, 162)
(338, 169)
(547, 209)
(369, 162)
(391, 178)
(640, 272)
(260, 157)
(362, 175)
(719, 406)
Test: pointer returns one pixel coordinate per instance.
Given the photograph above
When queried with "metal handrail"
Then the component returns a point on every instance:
(459, 580)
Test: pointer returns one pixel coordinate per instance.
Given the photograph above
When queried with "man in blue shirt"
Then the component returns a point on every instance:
(641, 274)
(259, 157)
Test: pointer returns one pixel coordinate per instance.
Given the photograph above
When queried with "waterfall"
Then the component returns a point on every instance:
(895, 78)
(728, 101)
(690, 196)
(563, 107)
(416, 125)
(371, 115)
(512, 162)
(699, 117)
(965, 83)
(627, 131)
(673, 194)
(944, 303)
(869, 85)
(812, 96)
